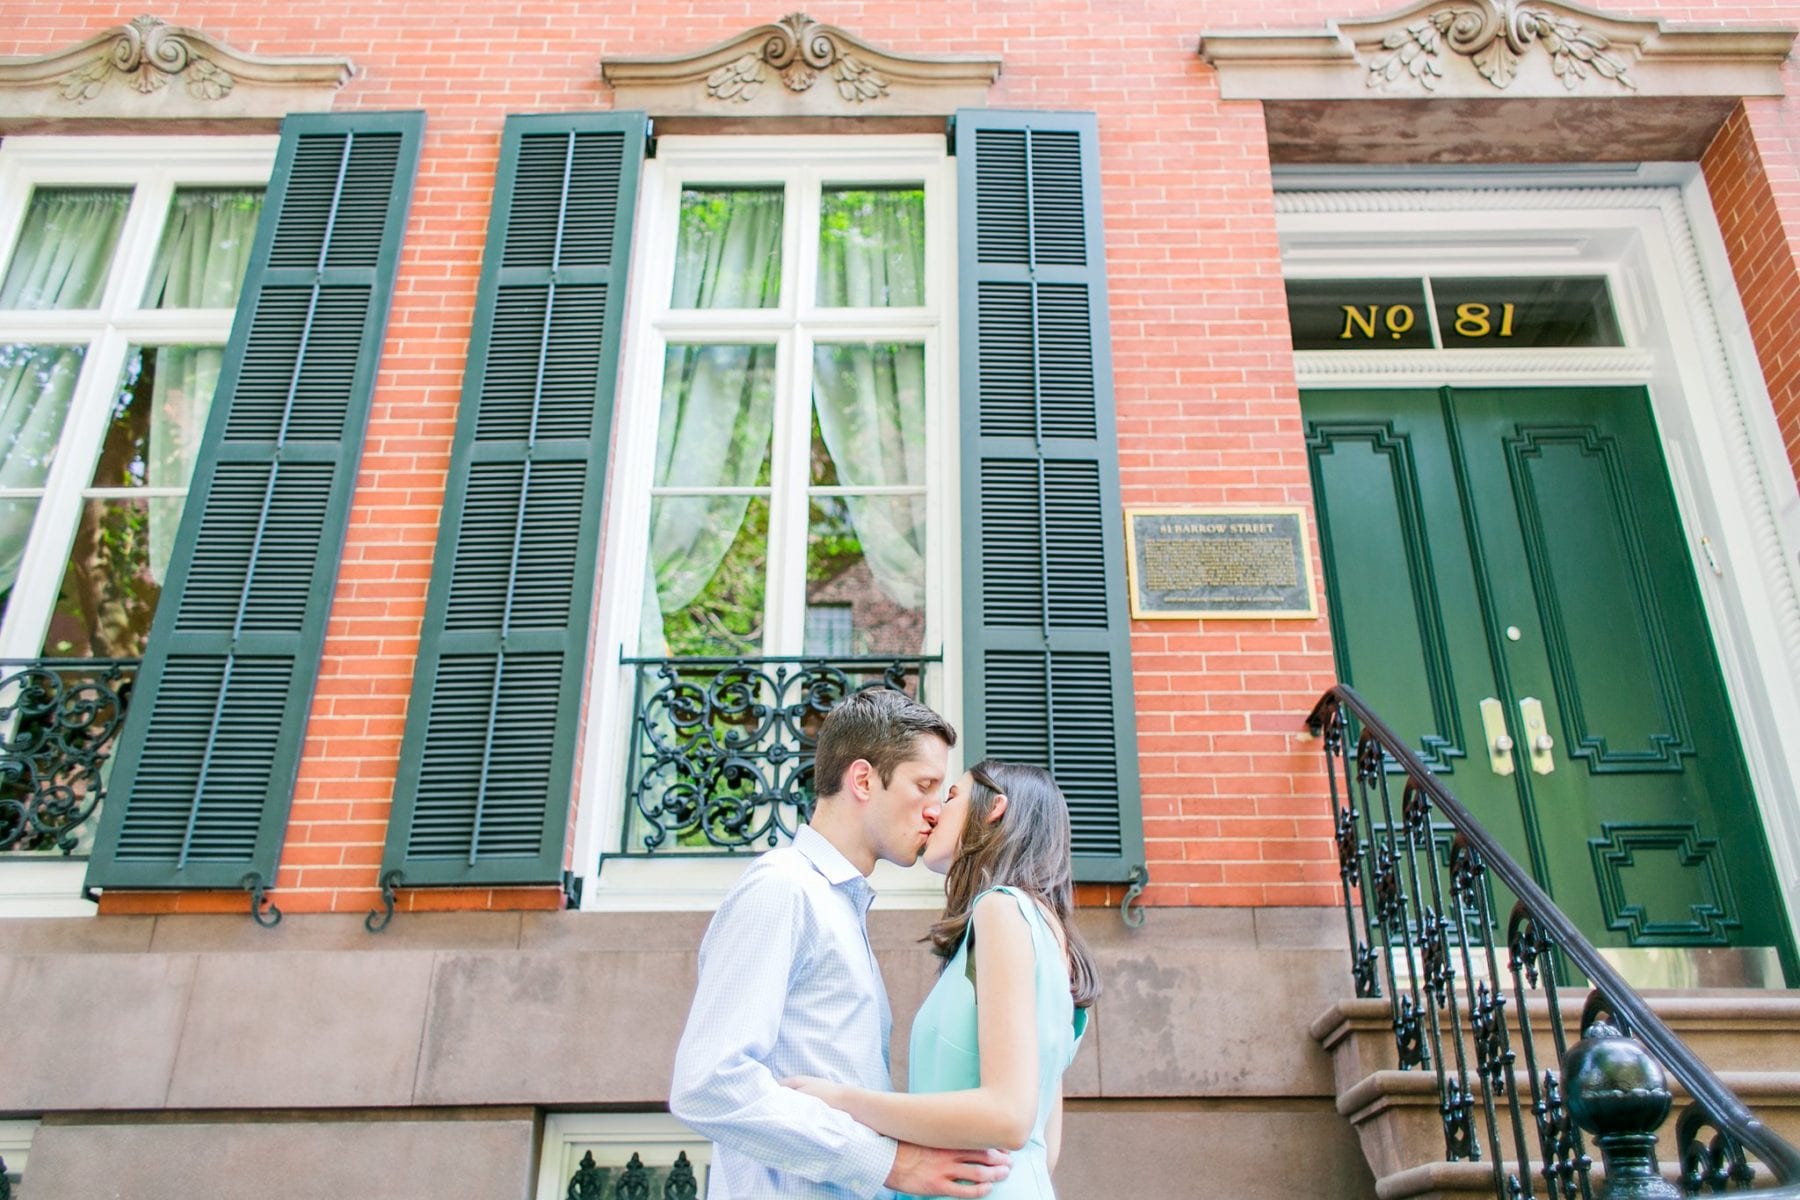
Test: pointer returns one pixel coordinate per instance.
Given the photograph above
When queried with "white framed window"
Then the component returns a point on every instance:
(121, 260)
(602, 1148)
(784, 473)
(124, 257)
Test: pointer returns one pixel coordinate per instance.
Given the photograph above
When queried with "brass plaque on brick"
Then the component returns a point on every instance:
(1239, 563)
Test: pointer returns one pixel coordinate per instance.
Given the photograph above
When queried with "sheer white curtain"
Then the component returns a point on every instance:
(870, 399)
(718, 405)
(64, 249)
(59, 262)
(36, 384)
(205, 250)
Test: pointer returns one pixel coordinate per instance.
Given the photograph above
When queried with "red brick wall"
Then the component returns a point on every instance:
(1233, 795)
(1753, 172)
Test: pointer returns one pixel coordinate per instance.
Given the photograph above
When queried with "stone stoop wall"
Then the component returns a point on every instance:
(215, 1058)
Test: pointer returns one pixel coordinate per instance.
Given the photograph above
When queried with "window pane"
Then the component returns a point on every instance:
(205, 248)
(871, 247)
(159, 416)
(114, 578)
(865, 554)
(728, 250)
(1507, 312)
(36, 383)
(869, 415)
(718, 412)
(709, 568)
(16, 514)
(65, 248)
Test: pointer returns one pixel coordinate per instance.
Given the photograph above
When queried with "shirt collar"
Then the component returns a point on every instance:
(826, 857)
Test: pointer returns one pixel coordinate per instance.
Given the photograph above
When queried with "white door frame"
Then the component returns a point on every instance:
(1651, 229)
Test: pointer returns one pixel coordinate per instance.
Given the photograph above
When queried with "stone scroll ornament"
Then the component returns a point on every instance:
(798, 50)
(148, 53)
(1495, 35)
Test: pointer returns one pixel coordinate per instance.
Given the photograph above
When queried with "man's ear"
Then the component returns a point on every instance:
(860, 777)
(995, 813)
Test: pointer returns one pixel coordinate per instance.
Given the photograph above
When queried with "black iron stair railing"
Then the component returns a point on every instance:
(1419, 916)
(59, 723)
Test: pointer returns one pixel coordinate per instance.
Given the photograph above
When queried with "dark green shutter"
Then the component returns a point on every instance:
(207, 760)
(487, 766)
(1046, 636)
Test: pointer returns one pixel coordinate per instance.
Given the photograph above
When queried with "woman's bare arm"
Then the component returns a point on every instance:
(1001, 1112)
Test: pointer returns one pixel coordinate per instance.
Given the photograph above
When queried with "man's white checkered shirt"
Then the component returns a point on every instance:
(788, 986)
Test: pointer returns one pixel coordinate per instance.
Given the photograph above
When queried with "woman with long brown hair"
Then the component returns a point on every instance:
(991, 1042)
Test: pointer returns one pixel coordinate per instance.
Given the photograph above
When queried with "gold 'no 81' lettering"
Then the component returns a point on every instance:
(1398, 319)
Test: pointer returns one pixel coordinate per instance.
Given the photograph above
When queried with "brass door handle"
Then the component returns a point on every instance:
(1537, 736)
(1499, 742)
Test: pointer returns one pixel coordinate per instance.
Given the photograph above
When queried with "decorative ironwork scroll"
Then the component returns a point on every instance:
(1422, 932)
(722, 748)
(59, 721)
(634, 1181)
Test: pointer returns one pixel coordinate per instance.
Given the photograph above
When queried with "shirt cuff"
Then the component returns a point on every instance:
(867, 1162)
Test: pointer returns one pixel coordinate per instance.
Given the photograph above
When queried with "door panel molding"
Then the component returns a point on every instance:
(1586, 726)
(1628, 910)
(1445, 742)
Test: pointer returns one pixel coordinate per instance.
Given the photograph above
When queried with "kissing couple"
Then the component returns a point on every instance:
(784, 1061)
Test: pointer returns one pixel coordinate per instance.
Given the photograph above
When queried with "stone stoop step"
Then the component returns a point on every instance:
(1751, 1039)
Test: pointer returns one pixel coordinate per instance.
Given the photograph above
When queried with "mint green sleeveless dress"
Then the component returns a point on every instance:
(943, 1053)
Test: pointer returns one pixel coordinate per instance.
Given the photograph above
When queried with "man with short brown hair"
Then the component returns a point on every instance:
(789, 984)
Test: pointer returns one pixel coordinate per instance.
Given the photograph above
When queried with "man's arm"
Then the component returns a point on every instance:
(722, 1087)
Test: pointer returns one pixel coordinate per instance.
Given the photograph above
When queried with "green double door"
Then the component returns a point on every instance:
(1510, 587)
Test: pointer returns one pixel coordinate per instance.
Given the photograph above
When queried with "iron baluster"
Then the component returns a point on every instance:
(1565, 1166)
(634, 1181)
(588, 1182)
(1390, 908)
(1716, 1165)
(1409, 1035)
(1465, 879)
(681, 1184)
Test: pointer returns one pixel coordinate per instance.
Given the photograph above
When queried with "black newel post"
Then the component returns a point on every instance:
(1617, 1092)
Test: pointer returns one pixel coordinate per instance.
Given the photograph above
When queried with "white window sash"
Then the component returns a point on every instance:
(804, 165)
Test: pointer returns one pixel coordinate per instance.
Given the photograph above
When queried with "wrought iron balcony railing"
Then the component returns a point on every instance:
(59, 722)
(1420, 920)
(722, 748)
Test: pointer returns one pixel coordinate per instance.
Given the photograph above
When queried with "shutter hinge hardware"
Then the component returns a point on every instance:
(950, 135)
(1138, 879)
(650, 138)
(571, 883)
(375, 922)
(260, 904)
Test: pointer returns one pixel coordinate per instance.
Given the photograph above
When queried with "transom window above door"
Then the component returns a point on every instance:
(789, 428)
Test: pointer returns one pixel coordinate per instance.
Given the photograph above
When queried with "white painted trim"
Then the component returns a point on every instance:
(40, 886)
(15, 1144)
(803, 164)
(1678, 301)
(613, 1138)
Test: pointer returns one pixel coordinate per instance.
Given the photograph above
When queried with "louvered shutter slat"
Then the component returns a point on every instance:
(1046, 647)
(486, 767)
(211, 745)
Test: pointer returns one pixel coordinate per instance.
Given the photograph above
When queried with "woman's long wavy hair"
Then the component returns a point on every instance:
(1027, 848)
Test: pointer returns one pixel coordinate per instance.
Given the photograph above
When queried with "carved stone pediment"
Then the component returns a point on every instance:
(149, 69)
(1490, 49)
(797, 67)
